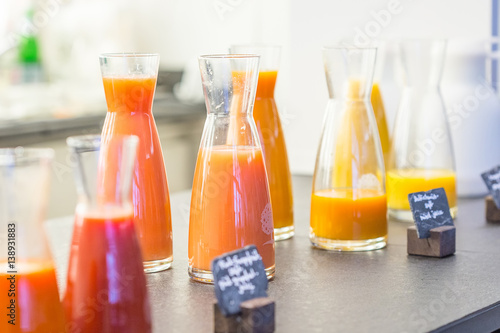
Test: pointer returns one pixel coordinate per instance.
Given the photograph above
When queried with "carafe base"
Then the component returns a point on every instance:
(153, 266)
(348, 245)
(206, 276)
(284, 233)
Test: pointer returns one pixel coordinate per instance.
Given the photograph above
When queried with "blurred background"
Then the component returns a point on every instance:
(50, 82)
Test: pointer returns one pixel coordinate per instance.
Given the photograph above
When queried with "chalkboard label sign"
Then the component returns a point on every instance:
(492, 180)
(238, 276)
(430, 210)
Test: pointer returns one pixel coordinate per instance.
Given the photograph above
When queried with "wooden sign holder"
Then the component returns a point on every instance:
(441, 242)
(492, 212)
(256, 316)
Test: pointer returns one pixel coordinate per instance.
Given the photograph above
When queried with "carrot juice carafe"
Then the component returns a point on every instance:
(106, 284)
(267, 119)
(29, 297)
(348, 204)
(230, 202)
(421, 153)
(129, 84)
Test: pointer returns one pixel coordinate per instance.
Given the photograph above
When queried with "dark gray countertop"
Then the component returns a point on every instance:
(320, 291)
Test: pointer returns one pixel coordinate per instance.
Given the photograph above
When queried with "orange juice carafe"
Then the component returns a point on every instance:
(29, 295)
(267, 119)
(421, 153)
(230, 202)
(106, 284)
(348, 204)
(129, 85)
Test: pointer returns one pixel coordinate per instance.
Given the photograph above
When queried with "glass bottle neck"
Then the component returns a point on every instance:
(104, 166)
(422, 81)
(230, 129)
(423, 62)
(351, 90)
(347, 99)
(421, 90)
(239, 105)
(129, 95)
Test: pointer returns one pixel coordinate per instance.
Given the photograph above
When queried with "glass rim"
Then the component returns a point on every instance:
(22, 155)
(230, 56)
(128, 55)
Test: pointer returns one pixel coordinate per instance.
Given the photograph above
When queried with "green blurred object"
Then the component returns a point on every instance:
(28, 50)
(28, 45)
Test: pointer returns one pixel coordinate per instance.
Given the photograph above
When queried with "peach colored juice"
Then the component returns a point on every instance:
(230, 205)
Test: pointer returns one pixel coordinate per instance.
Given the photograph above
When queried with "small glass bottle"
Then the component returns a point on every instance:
(106, 284)
(129, 85)
(422, 152)
(348, 204)
(29, 295)
(230, 202)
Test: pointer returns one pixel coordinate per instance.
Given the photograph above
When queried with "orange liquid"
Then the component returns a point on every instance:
(106, 289)
(230, 205)
(379, 111)
(400, 183)
(129, 112)
(347, 214)
(272, 139)
(38, 309)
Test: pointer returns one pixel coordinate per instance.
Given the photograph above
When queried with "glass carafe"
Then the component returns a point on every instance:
(267, 119)
(129, 84)
(348, 204)
(29, 295)
(230, 202)
(106, 284)
(421, 153)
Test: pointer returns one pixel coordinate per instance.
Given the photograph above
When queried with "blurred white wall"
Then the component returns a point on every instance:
(180, 30)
